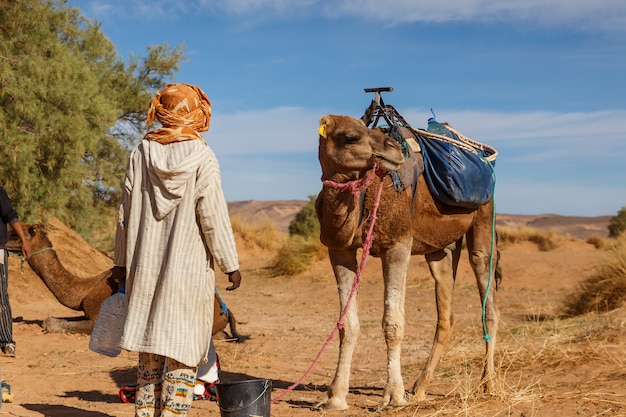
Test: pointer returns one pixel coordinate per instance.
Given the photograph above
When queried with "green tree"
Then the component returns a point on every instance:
(305, 222)
(70, 109)
(617, 224)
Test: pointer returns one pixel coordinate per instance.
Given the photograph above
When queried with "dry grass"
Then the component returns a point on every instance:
(598, 242)
(546, 240)
(605, 289)
(297, 255)
(264, 235)
(293, 254)
(534, 361)
(538, 359)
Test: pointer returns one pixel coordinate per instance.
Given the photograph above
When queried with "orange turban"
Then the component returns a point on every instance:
(184, 110)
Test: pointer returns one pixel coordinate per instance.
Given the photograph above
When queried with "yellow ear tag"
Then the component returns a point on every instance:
(322, 130)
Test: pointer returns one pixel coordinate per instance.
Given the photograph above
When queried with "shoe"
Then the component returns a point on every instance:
(210, 393)
(127, 393)
(9, 349)
(7, 397)
(208, 390)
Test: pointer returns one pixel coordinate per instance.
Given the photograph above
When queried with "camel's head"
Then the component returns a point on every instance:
(347, 147)
(32, 231)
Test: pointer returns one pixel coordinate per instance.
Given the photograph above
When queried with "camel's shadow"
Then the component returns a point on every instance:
(20, 319)
(82, 325)
(78, 324)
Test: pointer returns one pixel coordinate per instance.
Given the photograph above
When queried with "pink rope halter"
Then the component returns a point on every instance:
(356, 186)
(353, 187)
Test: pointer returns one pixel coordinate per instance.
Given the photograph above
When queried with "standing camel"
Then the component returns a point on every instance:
(85, 294)
(348, 150)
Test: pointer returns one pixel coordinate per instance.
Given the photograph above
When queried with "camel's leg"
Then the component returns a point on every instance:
(442, 266)
(395, 263)
(73, 325)
(344, 265)
(481, 258)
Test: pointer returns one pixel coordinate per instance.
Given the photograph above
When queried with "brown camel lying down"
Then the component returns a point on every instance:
(86, 294)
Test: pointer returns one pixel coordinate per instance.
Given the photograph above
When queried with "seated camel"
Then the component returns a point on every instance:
(86, 294)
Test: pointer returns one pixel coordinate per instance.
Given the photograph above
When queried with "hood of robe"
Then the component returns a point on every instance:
(170, 172)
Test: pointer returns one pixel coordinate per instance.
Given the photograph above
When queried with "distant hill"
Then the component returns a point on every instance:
(575, 226)
(281, 212)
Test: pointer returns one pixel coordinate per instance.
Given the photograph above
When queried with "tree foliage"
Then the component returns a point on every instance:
(70, 109)
(617, 224)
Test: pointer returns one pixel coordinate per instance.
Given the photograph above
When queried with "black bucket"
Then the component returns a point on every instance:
(244, 398)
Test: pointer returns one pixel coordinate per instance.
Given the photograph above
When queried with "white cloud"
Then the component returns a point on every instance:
(547, 134)
(519, 196)
(278, 130)
(294, 129)
(602, 15)
(607, 13)
(253, 6)
(591, 15)
(270, 179)
(564, 163)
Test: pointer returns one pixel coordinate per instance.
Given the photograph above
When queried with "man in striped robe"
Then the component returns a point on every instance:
(173, 228)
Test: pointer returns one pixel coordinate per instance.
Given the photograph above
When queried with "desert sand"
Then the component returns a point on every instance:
(547, 365)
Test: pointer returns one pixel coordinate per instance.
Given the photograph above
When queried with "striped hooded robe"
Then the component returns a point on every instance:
(173, 227)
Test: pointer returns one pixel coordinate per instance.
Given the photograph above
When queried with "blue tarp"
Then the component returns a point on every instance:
(456, 176)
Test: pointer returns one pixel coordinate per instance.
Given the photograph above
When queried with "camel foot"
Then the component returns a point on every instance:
(332, 404)
(393, 402)
(488, 387)
(401, 402)
(385, 406)
(419, 393)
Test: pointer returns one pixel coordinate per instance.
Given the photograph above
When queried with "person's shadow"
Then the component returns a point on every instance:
(128, 376)
(56, 410)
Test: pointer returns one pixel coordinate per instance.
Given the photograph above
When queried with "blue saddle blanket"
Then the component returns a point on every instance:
(456, 176)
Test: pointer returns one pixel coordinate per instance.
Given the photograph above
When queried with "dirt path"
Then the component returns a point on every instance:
(547, 366)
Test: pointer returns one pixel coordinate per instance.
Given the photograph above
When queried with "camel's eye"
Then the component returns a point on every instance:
(351, 139)
(32, 231)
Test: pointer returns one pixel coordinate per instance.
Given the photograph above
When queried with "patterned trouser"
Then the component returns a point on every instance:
(164, 387)
(6, 318)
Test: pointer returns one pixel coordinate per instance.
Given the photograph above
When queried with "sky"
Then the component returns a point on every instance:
(542, 81)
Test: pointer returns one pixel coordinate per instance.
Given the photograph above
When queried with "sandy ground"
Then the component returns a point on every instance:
(547, 366)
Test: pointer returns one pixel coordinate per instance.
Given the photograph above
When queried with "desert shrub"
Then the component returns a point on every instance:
(297, 255)
(305, 222)
(265, 235)
(303, 247)
(617, 224)
(605, 289)
(596, 241)
(545, 240)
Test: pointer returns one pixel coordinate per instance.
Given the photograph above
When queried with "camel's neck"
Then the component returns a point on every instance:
(339, 215)
(69, 289)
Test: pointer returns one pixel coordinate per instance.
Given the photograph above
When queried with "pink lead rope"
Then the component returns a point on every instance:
(354, 187)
